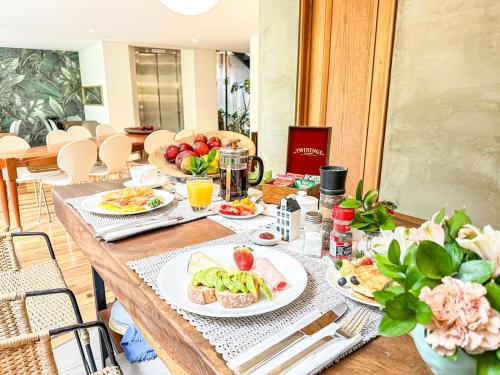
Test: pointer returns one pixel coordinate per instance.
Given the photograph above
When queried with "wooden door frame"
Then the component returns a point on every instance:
(313, 73)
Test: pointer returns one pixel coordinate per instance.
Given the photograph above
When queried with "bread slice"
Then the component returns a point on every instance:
(201, 294)
(232, 300)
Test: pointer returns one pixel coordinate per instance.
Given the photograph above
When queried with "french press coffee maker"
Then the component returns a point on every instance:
(234, 166)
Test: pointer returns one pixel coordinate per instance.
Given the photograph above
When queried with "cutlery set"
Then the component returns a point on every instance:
(349, 328)
(138, 223)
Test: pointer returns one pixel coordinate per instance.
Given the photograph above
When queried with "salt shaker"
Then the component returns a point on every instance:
(313, 234)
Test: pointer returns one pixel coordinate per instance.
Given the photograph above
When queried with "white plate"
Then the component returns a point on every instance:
(260, 209)
(160, 180)
(332, 275)
(173, 281)
(91, 203)
(254, 236)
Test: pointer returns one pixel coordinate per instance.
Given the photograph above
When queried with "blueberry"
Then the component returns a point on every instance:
(353, 280)
(342, 281)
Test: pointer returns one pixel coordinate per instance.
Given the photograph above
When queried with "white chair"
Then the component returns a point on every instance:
(53, 125)
(78, 132)
(91, 126)
(75, 159)
(12, 143)
(103, 130)
(157, 139)
(56, 138)
(14, 127)
(113, 152)
(184, 133)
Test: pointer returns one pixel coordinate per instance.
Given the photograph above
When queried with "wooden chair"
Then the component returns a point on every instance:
(154, 141)
(114, 153)
(103, 130)
(78, 132)
(45, 311)
(185, 133)
(30, 352)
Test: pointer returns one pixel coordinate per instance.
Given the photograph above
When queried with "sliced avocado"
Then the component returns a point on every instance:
(250, 283)
(238, 280)
(229, 284)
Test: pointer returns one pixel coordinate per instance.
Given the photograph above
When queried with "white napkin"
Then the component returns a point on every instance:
(315, 362)
(127, 232)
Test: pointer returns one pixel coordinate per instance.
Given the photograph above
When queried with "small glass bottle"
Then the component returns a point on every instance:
(312, 234)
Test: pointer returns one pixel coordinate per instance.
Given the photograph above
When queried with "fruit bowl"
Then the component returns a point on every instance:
(170, 169)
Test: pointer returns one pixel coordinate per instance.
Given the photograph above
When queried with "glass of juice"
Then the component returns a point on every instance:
(199, 191)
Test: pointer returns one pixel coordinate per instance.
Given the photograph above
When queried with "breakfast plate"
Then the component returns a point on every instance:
(131, 197)
(333, 275)
(174, 280)
(258, 210)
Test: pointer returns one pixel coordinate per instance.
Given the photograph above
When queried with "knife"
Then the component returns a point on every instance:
(271, 352)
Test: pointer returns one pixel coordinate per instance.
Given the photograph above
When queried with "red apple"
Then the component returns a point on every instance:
(171, 152)
(182, 155)
(185, 147)
(200, 138)
(214, 142)
(201, 148)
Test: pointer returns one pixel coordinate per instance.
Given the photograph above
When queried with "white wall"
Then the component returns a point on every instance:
(254, 83)
(199, 89)
(93, 73)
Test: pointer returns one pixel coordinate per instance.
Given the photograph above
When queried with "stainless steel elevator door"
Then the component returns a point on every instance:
(159, 89)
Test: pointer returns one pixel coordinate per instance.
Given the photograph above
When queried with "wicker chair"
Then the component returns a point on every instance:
(46, 311)
(31, 353)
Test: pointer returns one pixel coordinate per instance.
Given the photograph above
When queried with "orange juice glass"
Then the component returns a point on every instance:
(199, 191)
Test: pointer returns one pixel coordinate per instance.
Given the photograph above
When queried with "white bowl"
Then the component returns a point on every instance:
(254, 236)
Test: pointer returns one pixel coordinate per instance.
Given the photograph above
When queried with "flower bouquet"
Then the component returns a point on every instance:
(447, 279)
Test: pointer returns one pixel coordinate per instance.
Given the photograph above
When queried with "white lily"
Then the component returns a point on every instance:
(401, 235)
(485, 243)
(428, 231)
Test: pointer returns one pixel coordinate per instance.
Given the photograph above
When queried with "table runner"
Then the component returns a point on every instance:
(233, 336)
(99, 221)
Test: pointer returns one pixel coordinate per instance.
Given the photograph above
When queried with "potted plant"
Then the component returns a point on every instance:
(446, 290)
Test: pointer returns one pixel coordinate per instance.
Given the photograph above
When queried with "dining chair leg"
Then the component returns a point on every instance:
(46, 205)
(35, 192)
(40, 200)
(82, 354)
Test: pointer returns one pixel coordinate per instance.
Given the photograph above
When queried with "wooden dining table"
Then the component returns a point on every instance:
(178, 344)
(39, 156)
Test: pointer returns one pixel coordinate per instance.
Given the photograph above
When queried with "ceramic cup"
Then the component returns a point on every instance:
(144, 174)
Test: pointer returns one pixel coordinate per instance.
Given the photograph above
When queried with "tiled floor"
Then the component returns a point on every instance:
(69, 362)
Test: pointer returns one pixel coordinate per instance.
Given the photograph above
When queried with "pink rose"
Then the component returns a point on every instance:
(462, 318)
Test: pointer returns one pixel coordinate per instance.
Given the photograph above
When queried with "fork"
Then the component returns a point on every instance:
(349, 328)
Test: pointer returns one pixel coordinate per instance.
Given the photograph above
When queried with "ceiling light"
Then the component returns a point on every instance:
(194, 40)
(189, 7)
(90, 30)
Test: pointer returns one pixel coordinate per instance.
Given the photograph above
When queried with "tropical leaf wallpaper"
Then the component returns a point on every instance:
(35, 84)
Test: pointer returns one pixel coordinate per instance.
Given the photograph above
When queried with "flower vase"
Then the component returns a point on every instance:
(463, 365)
(364, 241)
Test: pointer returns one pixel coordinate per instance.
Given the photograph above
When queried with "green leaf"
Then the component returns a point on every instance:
(456, 253)
(350, 203)
(394, 252)
(380, 213)
(477, 271)
(370, 198)
(487, 364)
(399, 308)
(360, 225)
(413, 275)
(388, 225)
(417, 287)
(56, 108)
(457, 221)
(409, 258)
(433, 260)
(396, 272)
(440, 216)
(493, 294)
(423, 313)
(382, 296)
(359, 190)
(368, 217)
(392, 328)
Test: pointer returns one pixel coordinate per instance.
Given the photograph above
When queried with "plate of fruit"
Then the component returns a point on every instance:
(240, 209)
(143, 129)
(357, 279)
(232, 280)
(198, 155)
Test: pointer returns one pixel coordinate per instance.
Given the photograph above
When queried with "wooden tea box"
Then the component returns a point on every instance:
(273, 193)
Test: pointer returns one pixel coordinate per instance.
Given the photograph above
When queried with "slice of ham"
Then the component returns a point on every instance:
(273, 278)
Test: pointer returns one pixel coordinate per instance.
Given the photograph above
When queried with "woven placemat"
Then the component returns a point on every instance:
(99, 221)
(233, 336)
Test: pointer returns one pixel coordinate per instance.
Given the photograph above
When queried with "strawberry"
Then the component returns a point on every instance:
(243, 257)
(364, 261)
